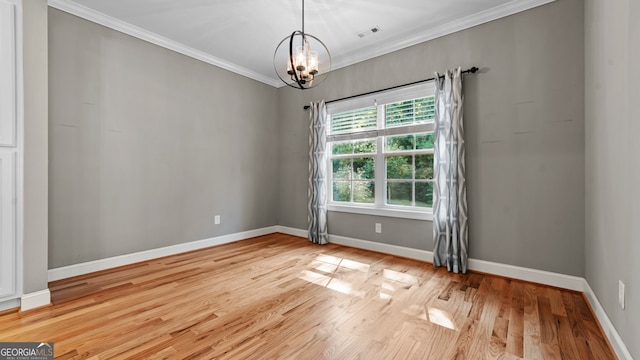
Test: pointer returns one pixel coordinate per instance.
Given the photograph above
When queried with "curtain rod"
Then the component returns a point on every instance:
(471, 70)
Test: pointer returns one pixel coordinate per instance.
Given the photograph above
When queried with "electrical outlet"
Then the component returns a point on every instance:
(217, 219)
(621, 294)
(378, 228)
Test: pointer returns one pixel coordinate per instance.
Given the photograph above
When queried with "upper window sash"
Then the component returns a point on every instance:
(403, 111)
(381, 98)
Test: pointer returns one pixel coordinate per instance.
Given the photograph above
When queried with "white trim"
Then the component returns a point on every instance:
(292, 231)
(19, 149)
(11, 94)
(510, 8)
(35, 300)
(126, 259)
(9, 304)
(126, 28)
(388, 212)
(8, 222)
(527, 274)
(607, 326)
(516, 272)
(410, 253)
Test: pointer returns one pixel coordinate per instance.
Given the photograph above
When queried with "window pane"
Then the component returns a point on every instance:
(399, 193)
(402, 142)
(341, 169)
(342, 191)
(355, 120)
(424, 194)
(400, 167)
(425, 109)
(365, 147)
(410, 112)
(400, 113)
(364, 192)
(341, 148)
(424, 141)
(363, 168)
(424, 166)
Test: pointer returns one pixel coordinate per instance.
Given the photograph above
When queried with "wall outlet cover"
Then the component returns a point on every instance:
(621, 294)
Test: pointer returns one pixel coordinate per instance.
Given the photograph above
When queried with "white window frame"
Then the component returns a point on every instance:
(379, 208)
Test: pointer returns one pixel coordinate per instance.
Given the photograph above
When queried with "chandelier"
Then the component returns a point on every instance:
(301, 60)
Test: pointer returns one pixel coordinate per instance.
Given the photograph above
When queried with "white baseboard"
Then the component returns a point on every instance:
(9, 304)
(383, 248)
(527, 274)
(108, 263)
(516, 272)
(607, 326)
(35, 300)
(292, 231)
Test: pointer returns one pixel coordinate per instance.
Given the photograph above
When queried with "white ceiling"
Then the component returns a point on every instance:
(241, 35)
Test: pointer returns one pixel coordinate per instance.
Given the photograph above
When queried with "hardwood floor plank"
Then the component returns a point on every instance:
(280, 297)
(532, 347)
(555, 299)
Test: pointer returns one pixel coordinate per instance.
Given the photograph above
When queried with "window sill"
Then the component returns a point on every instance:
(396, 213)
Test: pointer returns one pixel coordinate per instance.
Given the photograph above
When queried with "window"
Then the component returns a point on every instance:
(381, 156)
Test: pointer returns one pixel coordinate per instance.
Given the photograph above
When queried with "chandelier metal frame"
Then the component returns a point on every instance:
(303, 64)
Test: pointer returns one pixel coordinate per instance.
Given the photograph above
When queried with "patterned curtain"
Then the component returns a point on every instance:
(450, 231)
(317, 192)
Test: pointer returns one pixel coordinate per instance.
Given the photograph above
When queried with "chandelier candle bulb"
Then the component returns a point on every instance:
(313, 62)
(301, 59)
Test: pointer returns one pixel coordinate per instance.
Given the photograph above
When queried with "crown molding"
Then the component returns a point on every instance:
(126, 28)
(510, 8)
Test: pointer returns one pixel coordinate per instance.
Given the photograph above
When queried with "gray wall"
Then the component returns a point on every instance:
(612, 96)
(147, 146)
(525, 138)
(35, 145)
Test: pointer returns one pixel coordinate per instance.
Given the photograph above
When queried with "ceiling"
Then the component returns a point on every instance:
(241, 35)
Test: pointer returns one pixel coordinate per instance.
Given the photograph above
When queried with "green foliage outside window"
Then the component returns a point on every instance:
(356, 171)
(410, 142)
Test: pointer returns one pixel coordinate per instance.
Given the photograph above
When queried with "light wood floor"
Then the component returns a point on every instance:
(279, 297)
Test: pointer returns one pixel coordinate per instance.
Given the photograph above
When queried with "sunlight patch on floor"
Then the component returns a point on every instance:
(354, 265)
(416, 311)
(442, 318)
(329, 259)
(325, 269)
(399, 276)
(314, 278)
